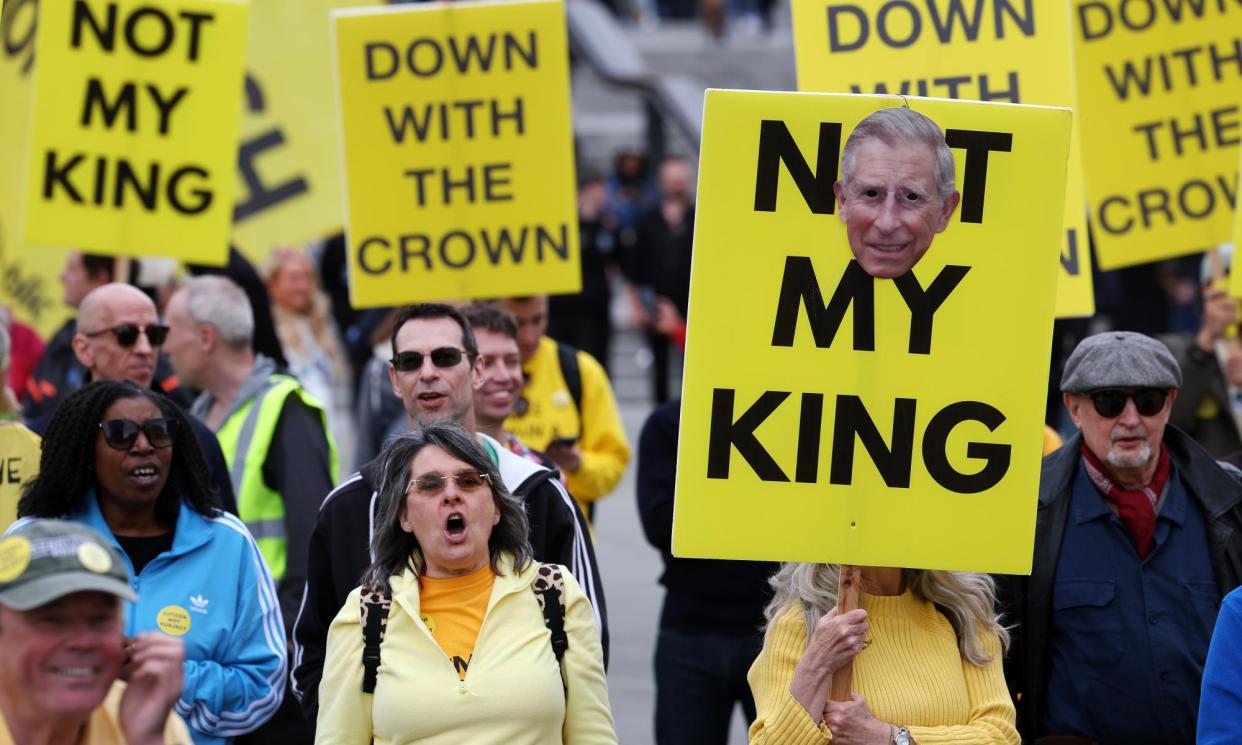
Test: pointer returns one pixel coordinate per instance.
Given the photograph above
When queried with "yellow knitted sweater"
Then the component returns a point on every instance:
(911, 675)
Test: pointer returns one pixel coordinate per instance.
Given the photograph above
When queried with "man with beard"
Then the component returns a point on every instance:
(1138, 537)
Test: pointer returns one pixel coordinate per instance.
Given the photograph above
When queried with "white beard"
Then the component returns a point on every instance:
(1137, 460)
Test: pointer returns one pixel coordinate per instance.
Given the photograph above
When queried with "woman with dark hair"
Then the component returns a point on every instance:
(473, 641)
(123, 460)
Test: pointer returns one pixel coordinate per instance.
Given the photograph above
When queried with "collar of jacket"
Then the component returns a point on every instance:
(1216, 489)
(192, 529)
(405, 587)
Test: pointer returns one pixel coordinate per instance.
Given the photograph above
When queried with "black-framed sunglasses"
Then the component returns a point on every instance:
(121, 434)
(127, 333)
(431, 484)
(442, 357)
(1110, 402)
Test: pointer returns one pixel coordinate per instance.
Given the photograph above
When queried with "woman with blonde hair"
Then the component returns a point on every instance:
(926, 646)
(309, 337)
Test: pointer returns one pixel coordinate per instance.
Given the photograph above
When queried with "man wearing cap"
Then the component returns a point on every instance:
(63, 655)
(1138, 537)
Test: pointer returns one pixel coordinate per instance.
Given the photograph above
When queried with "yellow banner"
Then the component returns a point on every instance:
(1160, 86)
(289, 165)
(1011, 52)
(1235, 274)
(133, 137)
(29, 287)
(829, 416)
(459, 166)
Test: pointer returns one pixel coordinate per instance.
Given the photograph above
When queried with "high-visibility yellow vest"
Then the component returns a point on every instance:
(245, 437)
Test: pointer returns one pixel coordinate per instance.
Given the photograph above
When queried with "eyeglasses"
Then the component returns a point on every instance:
(1109, 403)
(127, 333)
(121, 434)
(442, 357)
(431, 484)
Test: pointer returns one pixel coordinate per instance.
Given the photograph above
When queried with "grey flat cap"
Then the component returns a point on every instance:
(1120, 359)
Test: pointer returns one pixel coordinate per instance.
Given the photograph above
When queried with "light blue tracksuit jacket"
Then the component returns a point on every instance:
(214, 575)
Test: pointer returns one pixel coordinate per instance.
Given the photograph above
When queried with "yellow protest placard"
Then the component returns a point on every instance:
(1159, 88)
(986, 51)
(29, 287)
(1235, 276)
(829, 416)
(458, 151)
(133, 136)
(288, 164)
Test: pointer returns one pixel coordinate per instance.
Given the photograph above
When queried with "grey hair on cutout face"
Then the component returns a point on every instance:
(901, 126)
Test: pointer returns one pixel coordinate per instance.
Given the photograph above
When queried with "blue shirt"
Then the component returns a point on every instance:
(1129, 636)
(1220, 712)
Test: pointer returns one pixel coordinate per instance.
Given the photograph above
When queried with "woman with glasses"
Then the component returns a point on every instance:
(927, 649)
(456, 635)
(122, 460)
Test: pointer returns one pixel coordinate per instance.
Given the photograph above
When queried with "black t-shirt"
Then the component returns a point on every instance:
(142, 549)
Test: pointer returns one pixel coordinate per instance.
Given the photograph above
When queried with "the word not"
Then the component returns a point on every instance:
(852, 422)
(899, 23)
(425, 57)
(148, 31)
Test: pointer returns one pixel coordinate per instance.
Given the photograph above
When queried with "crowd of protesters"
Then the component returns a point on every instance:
(339, 526)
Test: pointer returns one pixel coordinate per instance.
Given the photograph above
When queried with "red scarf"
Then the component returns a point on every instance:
(1135, 507)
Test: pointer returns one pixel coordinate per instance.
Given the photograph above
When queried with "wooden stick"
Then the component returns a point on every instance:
(847, 600)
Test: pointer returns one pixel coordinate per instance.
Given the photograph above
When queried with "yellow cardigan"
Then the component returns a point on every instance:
(512, 692)
(911, 675)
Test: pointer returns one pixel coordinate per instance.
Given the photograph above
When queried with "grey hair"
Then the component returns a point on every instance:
(222, 303)
(967, 600)
(901, 126)
(394, 549)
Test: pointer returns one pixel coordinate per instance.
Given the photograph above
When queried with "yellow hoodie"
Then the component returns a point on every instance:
(511, 694)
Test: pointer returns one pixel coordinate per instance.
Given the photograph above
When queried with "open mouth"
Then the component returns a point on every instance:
(75, 672)
(430, 398)
(455, 525)
(144, 474)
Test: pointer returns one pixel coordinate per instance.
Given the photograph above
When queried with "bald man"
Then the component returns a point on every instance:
(118, 338)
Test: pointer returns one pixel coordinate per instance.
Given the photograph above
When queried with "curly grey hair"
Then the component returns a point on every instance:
(394, 549)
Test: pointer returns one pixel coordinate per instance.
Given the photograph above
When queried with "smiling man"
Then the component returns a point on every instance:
(1138, 537)
(896, 190)
(62, 651)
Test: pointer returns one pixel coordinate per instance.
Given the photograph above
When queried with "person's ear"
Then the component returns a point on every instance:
(1073, 404)
(839, 189)
(1172, 397)
(82, 350)
(946, 210)
(476, 373)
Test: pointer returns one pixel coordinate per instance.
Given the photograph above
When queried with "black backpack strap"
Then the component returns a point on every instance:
(375, 606)
(549, 587)
(571, 372)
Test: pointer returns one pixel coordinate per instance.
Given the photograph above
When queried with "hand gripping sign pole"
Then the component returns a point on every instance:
(847, 600)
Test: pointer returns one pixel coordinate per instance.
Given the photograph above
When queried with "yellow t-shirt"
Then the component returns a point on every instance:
(19, 463)
(452, 610)
(104, 726)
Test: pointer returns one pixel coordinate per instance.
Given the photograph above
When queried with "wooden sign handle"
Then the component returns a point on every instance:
(847, 600)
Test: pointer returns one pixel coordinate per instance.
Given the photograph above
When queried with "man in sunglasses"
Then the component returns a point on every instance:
(1138, 537)
(118, 338)
(435, 371)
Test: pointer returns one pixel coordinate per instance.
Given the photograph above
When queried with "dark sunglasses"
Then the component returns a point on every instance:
(127, 333)
(1109, 403)
(121, 434)
(442, 357)
(431, 484)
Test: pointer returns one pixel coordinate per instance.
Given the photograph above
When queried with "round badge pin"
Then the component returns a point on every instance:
(94, 557)
(14, 557)
(173, 620)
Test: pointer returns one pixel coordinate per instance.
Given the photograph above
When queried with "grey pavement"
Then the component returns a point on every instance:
(631, 569)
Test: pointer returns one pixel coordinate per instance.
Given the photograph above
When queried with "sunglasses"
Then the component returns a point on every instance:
(442, 357)
(121, 434)
(1110, 403)
(127, 333)
(431, 484)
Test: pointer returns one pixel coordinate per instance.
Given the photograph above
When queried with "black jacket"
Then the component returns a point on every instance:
(1027, 601)
(340, 552)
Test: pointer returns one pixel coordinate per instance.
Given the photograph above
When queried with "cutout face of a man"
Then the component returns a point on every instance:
(891, 206)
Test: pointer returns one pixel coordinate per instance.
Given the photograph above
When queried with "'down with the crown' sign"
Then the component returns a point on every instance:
(459, 173)
(869, 410)
(1014, 51)
(1160, 97)
(133, 129)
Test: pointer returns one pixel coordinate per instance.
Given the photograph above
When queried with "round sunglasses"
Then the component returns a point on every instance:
(121, 434)
(1109, 403)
